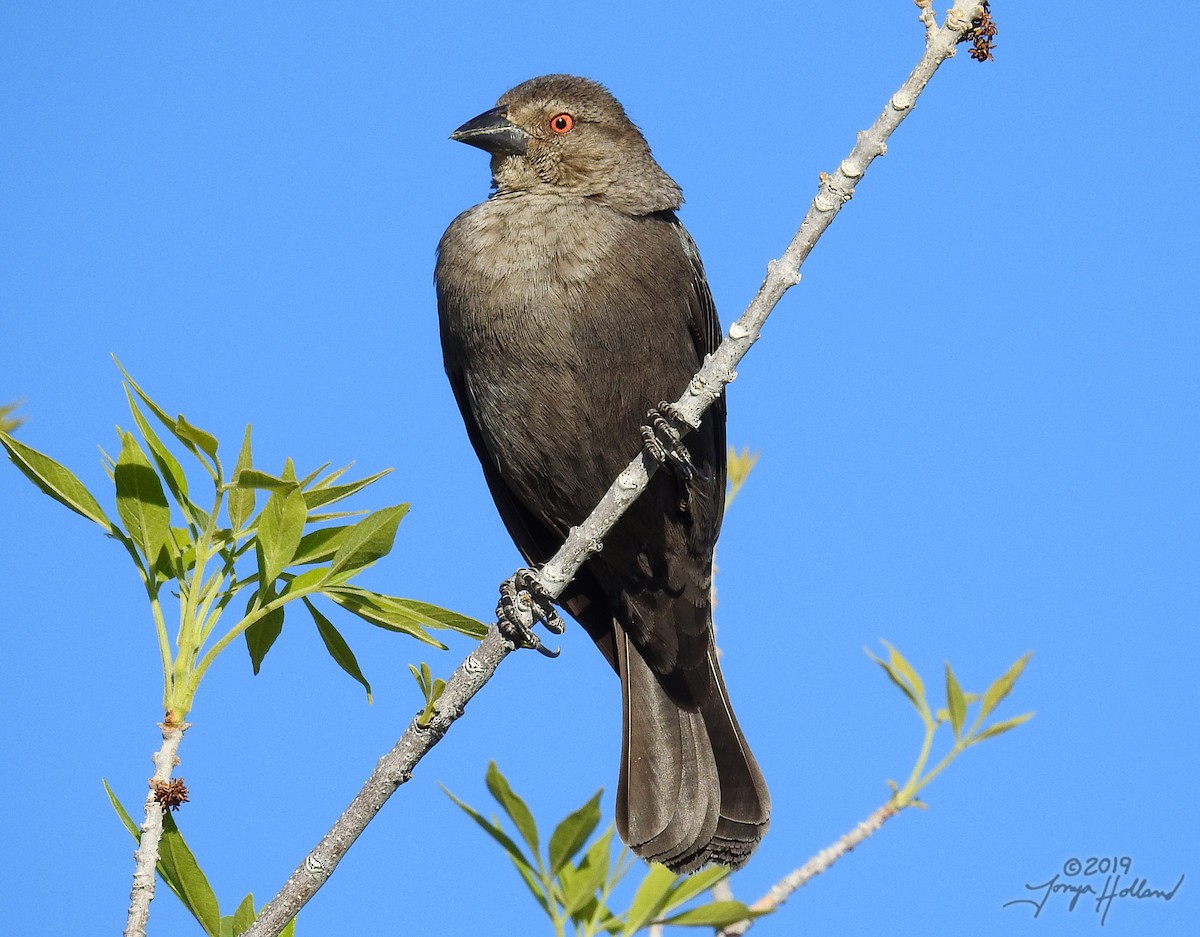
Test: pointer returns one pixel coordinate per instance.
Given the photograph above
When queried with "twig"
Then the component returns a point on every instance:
(393, 769)
(145, 858)
(782, 890)
(718, 370)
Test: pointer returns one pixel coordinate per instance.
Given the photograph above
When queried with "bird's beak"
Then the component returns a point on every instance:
(494, 132)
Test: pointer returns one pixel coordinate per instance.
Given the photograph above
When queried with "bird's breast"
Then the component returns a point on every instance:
(527, 245)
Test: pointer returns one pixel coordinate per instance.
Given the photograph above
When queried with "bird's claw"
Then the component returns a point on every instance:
(663, 438)
(523, 603)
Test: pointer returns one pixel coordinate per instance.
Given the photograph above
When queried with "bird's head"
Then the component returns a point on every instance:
(570, 136)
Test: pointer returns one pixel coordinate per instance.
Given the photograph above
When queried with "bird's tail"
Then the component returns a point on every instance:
(690, 791)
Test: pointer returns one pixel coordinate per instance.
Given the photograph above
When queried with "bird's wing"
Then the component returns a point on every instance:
(536, 541)
(706, 334)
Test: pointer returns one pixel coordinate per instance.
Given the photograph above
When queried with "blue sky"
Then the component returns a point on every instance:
(973, 415)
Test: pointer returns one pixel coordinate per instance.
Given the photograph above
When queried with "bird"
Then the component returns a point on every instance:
(571, 303)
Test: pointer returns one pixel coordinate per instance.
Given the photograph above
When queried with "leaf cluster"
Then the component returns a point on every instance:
(738, 466)
(955, 713)
(8, 420)
(267, 539)
(574, 885)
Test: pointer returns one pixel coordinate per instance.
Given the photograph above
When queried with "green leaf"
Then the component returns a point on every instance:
(902, 674)
(308, 479)
(107, 462)
(337, 647)
(186, 436)
(279, 530)
(334, 516)
(252, 478)
(738, 468)
(403, 614)
(534, 883)
(577, 887)
(169, 874)
(495, 832)
(262, 634)
(432, 616)
(514, 806)
(714, 914)
(328, 479)
(1001, 727)
(158, 411)
(141, 504)
(242, 918)
(956, 704)
(177, 861)
(581, 888)
(894, 677)
(122, 813)
(168, 466)
(649, 898)
(381, 611)
(206, 442)
(241, 500)
(321, 544)
(7, 422)
(688, 887)
(431, 691)
(570, 835)
(55, 480)
(306, 582)
(905, 671)
(369, 539)
(1003, 686)
(317, 497)
(423, 676)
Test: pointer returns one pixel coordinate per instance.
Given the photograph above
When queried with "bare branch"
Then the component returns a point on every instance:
(782, 890)
(393, 769)
(718, 370)
(146, 857)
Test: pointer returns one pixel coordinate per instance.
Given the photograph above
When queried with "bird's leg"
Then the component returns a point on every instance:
(524, 603)
(663, 438)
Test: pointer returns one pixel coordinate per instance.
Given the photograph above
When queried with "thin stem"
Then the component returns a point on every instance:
(230, 553)
(160, 623)
(211, 591)
(261, 612)
(191, 611)
(821, 862)
(904, 796)
(394, 769)
(958, 749)
(619, 870)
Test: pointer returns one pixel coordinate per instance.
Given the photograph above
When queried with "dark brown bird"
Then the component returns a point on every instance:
(571, 302)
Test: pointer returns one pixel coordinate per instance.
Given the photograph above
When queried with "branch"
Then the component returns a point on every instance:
(709, 383)
(146, 857)
(782, 890)
(718, 370)
(393, 769)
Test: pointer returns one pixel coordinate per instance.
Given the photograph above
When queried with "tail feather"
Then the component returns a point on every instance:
(690, 791)
(745, 801)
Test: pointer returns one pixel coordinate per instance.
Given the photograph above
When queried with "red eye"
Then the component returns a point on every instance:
(562, 123)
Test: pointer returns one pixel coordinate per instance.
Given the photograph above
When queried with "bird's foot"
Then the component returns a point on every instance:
(663, 438)
(524, 603)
